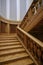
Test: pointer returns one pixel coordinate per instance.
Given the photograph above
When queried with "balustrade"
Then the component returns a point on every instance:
(34, 46)
(32, 12)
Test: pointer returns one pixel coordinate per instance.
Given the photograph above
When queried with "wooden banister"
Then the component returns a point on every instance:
(30, 36)
(34, 20)
(30, 16)
(8, 26)
(34, 46)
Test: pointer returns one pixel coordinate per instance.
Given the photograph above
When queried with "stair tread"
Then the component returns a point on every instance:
(8, 41)
(13, 57)
(12, 51)
(11, 43)
(10, 35)
(26, 61)
(8, 47)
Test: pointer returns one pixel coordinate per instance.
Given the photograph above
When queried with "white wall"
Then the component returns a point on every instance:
(7, 9)
(3, 8)
(0, 7)
(28, 4)
(22, 8)
(13, 10)
(10, 10)
(18, 9)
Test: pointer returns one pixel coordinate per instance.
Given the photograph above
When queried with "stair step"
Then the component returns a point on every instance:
(3, 41)
(13, 57)
(6, 52)
(9, 44)
(4, 38)
(25, 61)
(9, 47)
(2, 35)
(8, 39)
(12, 52)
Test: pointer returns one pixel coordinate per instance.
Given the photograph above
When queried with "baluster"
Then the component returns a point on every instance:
(35, 10)
(39, 52)
(28, 44)
(25, 40)
(42, 55)
(35, 49)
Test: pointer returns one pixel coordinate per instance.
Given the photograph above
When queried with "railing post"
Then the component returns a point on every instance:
(8, 28)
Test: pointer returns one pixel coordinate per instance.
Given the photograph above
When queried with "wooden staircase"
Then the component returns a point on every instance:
(12, 51)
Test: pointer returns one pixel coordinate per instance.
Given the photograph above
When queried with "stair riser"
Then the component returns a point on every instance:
(11, 53)
(8, 38)
(9, 45)
(8, 41)
(1, 63)
(10, 48)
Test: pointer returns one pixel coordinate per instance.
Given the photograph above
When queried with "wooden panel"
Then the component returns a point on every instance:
(32, 17)
(3, 27)
(34, 20)
(8, 26)
(34, 46)
(13, 28)
(9, 21)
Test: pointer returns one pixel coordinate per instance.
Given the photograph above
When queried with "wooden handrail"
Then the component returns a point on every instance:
(8, 26)
(9, 21)
(32, 37)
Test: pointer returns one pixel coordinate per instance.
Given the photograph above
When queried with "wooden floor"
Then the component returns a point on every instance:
(12, 52)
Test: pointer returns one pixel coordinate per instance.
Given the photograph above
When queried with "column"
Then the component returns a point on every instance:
(8, 8)
(8, 28)
(18, 10)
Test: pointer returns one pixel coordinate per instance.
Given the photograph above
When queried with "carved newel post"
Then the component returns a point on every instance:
(35, 11)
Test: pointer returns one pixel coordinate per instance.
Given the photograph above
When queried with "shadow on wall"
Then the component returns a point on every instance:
(37, 31)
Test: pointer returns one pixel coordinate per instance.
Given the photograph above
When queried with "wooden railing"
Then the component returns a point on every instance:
(8, 26)
(34, 46)
(28, 24)
(34, 20)
(31, 15)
